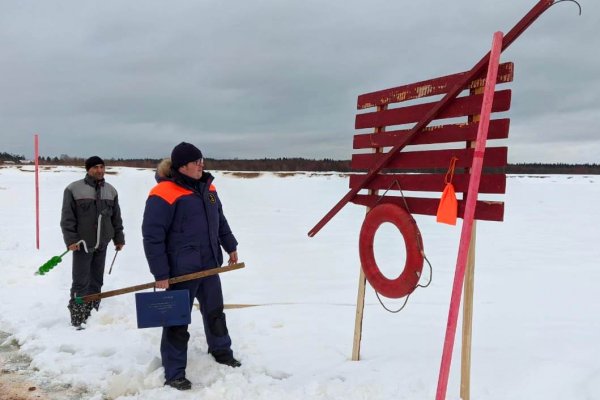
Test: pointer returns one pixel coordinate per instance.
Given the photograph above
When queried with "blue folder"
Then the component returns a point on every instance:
(163, 308)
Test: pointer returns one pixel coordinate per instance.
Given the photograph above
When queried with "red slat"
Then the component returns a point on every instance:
(462, 106)
(491, 183)
(429, 87)
(485, 210)
(435, 134)
(494, 157)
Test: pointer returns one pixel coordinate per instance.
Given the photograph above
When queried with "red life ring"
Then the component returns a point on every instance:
(409, 278)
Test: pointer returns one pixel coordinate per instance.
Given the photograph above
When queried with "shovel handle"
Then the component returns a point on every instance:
(149, 285)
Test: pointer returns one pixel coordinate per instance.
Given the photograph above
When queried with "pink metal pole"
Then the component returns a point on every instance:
(37, 191)
(467, 227)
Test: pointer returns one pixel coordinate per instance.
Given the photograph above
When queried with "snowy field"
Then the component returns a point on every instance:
(536, 319)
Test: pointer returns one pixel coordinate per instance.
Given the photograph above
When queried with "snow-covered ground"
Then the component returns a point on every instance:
(536, 316)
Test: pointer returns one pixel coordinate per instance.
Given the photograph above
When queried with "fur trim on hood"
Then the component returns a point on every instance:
(164, 168)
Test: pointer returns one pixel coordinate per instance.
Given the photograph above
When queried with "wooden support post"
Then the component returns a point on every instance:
(468, 218)
(358, 319)
(467, 325)
(362, 280)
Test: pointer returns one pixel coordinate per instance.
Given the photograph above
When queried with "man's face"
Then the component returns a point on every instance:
(193, 169)
(97, 172)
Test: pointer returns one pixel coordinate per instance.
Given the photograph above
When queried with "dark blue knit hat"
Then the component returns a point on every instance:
(184, 153)
(93, 161)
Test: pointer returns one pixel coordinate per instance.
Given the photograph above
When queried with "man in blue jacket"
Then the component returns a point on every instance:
(184, 229)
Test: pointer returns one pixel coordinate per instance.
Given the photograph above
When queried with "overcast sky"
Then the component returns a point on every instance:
(277, 78)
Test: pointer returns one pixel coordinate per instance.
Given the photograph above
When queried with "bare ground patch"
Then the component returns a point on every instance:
(19, 382)
(14, 382)
(243, 175)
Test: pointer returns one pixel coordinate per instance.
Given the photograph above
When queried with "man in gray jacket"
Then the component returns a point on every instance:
(90, 219)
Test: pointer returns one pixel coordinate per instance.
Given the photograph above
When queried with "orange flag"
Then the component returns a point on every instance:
(448, 208)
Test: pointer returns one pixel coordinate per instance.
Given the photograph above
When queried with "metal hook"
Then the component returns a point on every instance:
(572, 1)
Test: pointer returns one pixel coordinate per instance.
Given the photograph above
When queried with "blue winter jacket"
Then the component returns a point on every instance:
(184, 228)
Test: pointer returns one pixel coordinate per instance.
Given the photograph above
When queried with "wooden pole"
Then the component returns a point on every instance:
(358, 319)
(149, 285)
(468, 217)
(467, 326)
(362, 280)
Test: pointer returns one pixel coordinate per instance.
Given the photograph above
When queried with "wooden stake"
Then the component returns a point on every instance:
(467, 326)
(468, 218)
(182, 278)
(362, 280)
(360, 306)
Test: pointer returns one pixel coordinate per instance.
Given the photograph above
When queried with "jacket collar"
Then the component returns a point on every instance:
(196, 185)
(92, 182)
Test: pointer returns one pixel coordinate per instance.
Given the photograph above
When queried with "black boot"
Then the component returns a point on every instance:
(226, 358)
(79, 313)
(179, 384)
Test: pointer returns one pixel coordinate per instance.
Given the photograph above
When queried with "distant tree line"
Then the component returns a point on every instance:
(557, 168)
(303, 164)
(11, 157)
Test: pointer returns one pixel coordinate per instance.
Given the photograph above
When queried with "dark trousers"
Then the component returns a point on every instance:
(88, 272)
(174, 343)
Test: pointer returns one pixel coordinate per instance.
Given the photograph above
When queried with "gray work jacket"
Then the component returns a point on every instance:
(91, 212)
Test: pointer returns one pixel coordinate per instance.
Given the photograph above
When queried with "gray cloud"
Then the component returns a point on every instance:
(253, 79)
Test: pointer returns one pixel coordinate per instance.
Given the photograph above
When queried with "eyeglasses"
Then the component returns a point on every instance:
(198, 162)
